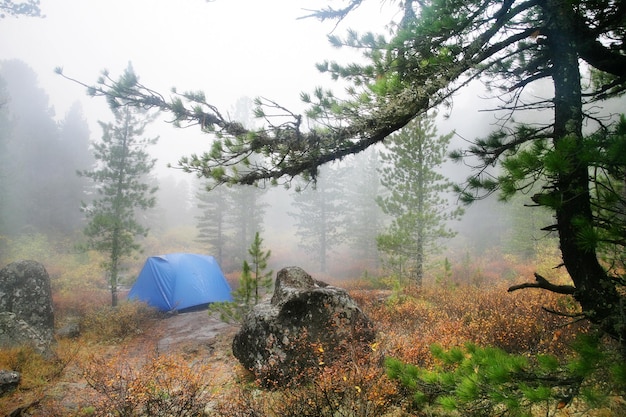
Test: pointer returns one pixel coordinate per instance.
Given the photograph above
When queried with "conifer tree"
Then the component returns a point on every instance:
(246, 213)
(252, 283)
(119, 180)
(320, 217)
(439, 47)
(262, 279)
(416, 198)
(364, 218)
(34, 200)
(212, 223)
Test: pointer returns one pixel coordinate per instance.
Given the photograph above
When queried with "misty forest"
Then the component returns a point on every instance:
(486, 242)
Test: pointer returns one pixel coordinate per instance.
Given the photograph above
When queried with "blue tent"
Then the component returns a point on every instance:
(180, 281)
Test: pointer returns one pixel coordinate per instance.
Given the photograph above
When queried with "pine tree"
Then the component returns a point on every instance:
(364, 218)
(251, 284)
(439, 47)
(75, 154)
(38, 170)
(320, 218)
(119, 179)
(262, 279)
(246, 213)
(212, 224)
(415, 200)
(485, 381)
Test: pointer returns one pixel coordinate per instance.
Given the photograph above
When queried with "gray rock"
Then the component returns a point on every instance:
(69, 331)
(9, 380)
(306, 324)
(25, 292)
(15, 332)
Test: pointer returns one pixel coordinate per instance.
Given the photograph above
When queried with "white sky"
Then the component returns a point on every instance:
(227, 48)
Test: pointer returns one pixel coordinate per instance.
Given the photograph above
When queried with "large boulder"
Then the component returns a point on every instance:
(306, 324)
(25, 293)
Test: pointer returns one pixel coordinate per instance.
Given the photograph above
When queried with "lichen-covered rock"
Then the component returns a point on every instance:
(25, 292)
(307, 323)
(9, 380)
(15, 332)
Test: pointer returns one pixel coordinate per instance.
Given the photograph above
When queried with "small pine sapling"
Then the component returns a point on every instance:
(254, 281)
(262, 279)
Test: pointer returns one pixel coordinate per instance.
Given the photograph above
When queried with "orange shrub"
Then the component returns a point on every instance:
(163, 385)
(415, 319)
(356, 385)
(114, 324)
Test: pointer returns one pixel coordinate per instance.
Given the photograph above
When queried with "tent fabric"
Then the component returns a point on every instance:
(180, 281)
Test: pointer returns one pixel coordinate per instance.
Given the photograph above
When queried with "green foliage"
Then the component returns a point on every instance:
(253, 283)
(262, 281)
(483, 381)
(415, 198)
(121, 187)
(320, 215)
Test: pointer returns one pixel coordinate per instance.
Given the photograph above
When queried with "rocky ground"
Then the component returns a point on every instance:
(195, 335)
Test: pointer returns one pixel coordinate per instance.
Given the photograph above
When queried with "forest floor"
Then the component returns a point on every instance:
(194, 336)
(411, 323)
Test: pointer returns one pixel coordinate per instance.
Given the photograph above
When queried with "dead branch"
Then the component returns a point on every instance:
(541, 282)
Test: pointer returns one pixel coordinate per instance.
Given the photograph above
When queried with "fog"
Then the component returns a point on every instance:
(231, 50)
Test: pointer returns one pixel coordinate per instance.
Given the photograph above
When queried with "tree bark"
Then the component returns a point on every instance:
(595, 290)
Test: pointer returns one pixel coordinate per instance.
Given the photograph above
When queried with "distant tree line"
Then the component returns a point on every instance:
(39, 188)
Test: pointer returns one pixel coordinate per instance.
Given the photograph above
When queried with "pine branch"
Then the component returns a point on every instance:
(541, 282)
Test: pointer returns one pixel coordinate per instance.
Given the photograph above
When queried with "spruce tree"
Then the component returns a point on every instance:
(364, 218)
(246, 212)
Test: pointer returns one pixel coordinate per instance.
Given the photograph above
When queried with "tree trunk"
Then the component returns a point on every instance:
(114, 299)
(595, 290)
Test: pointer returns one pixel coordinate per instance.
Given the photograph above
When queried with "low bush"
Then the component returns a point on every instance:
(416, 318)
(164, 385)
(114, 324)
(36, 372)
(79, 303)
(354, 386)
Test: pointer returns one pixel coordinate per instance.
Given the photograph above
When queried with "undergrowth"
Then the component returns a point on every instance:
(115, 324)
(162, 385)
(464, 322)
